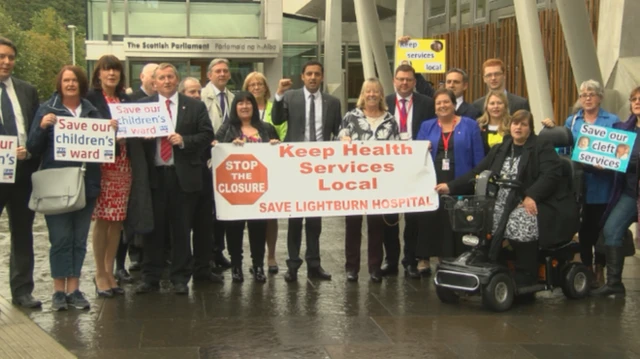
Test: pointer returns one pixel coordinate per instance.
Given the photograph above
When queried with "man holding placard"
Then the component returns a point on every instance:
(18, 105)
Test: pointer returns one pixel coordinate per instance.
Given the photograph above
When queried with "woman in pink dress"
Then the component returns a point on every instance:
(107, 84)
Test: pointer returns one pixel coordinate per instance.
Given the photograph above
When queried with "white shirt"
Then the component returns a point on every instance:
(396, 113)
(459, 101)
(307, 110)
(17, 112)
(172, 125)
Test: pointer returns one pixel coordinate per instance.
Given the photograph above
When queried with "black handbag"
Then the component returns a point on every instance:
(628, 247)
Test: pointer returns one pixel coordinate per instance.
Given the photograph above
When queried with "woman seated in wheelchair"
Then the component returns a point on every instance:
(542, 210)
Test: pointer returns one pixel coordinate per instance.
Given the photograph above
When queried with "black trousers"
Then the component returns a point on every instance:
(126, 246)
(589, 231)
(353, 241)
(15, 197)
(526, 262)
(203, 234)
(312, 228)
(436, 238)
(257, 240)
(176, 208)
(219, 232)
(392, 241)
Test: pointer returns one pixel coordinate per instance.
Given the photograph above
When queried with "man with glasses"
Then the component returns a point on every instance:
(457, 81)
(410, 109)
(494, 76)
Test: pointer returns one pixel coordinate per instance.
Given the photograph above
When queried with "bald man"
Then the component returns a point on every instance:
(146, 78)
(191, 87)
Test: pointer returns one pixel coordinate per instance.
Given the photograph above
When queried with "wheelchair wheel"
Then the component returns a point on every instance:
(576, 282)
(447, 295)
(499, 293)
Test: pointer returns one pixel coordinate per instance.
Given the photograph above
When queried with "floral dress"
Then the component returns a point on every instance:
(115, 184)
(521, 226)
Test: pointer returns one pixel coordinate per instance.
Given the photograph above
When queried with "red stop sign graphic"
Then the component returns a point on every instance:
(241, 179)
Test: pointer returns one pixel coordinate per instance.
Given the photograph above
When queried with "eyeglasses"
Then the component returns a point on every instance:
(588, 95)
(255, 84)
(634, 99)
(405, 79)
(493, 74)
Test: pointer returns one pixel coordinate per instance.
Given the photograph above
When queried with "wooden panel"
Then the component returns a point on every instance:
(470, 47)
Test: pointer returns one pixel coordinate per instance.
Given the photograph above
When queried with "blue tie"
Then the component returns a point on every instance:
(8, 117)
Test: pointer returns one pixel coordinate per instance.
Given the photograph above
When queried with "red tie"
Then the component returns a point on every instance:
(165, 146)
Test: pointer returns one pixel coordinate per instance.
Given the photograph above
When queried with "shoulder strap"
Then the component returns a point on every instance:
(573, 121)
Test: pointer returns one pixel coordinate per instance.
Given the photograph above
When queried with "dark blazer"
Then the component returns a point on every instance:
(291, 109)
(29, 103)
(515, 103)
(423, 109)
(193, 124)
(540, 172)
(467, 110)
(423, 87)
(137, 95)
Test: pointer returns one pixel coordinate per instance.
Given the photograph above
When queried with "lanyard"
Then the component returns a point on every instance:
(445, 140)
(404, 115)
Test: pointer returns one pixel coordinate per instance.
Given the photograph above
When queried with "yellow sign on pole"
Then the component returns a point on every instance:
(424, 55)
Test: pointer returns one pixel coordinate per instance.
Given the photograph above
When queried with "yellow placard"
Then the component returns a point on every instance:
(424, 55)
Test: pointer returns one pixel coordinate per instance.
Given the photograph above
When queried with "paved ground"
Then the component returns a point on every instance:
(396, 319)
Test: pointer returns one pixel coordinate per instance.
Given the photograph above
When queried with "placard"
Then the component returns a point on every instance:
(424, 55)
(142, 119)
(604, 147)
(315, 179)
(8, 158)
(84, 140)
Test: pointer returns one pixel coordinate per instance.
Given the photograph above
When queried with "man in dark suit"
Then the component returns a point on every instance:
(457, 81)
(19, 103)
(494, 76)
(410, 110)
(175, 167)
(146, 87)
(311, 116)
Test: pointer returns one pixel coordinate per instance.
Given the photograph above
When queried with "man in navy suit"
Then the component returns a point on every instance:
(457, 81)
(410, 110)
(493, 73)
(19, 103)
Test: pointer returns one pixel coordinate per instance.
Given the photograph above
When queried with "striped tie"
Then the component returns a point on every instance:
(166, 148)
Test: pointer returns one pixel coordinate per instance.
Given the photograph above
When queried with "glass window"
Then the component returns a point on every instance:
(97, 11)
(297, 30)
(436, 7)
(294, 56)
(158, 18)
(453, 13)
(117, 20)
(229, 19)
(466, 17)
(481, 5)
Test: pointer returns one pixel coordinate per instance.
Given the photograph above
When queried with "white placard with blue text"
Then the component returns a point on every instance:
(8, 158)
(604, 147)
(142, 119)
(84, 140)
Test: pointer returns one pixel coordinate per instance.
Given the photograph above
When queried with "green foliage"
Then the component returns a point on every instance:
(72, 11)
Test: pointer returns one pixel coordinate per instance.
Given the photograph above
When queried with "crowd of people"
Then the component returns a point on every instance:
(155, 202)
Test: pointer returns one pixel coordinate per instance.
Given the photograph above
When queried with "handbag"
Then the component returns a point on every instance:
(628, 248)
(58, 190)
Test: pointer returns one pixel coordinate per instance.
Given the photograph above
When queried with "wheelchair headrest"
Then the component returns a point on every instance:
(559, 136)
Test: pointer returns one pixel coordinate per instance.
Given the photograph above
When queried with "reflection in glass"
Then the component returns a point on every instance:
(225, 20)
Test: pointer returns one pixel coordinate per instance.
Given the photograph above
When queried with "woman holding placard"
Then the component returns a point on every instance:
(68, 231)
(597, 181)
(245, 126)
(622, 209)
(494, 123)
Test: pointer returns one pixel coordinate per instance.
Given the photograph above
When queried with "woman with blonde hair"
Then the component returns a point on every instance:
(369, 121)
(256, 84)
(494, 123)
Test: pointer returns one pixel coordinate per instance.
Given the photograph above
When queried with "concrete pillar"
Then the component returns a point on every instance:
(574, 18)
(333, 74)
(410, 19)
(369, 17)
(363, 38)
(273, 31)
(535, 68)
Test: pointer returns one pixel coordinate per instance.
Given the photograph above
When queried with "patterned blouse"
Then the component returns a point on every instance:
(357, 126)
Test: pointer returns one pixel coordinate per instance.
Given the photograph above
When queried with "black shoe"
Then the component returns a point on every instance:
(221, 262)
(291, 275)
(425, 272)
(258, 274)
(388, 269)
(318, 273)
(210, 277)
(26, 301)
(117, 291)
(352, 276)
(236, 275)
(145, 287)
(108, 293)
(181, 288)
(135, 267)
(122, 276)
(411, 272)
(376, 277)
(273, 269)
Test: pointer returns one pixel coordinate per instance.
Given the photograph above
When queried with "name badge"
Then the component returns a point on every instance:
(446, 165)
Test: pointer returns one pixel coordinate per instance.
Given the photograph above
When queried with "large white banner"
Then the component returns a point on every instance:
(315, 179)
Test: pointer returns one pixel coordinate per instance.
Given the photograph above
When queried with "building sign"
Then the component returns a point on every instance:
(424, 55)
(316, 179)
(134, 46)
